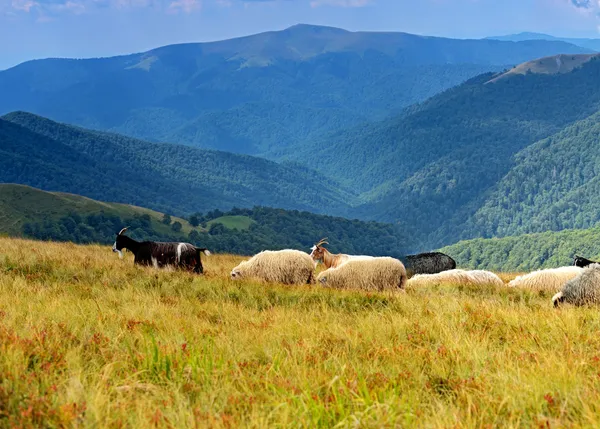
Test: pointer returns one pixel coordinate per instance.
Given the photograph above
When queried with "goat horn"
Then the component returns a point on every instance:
(322, 241)
(123, 230)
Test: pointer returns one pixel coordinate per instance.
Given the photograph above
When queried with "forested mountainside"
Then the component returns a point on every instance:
(179, 179)
(261, 93)
(30, 212)
(433, 167)
(527, 252)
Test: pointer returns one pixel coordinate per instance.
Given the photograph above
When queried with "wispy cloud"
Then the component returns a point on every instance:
(340, 3)
(48, 9)
(187, 6)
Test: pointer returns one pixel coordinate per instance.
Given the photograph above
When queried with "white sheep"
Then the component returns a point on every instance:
(551, 279)
(374, 274)
(278, 266)
(581, 290)
(456, 277)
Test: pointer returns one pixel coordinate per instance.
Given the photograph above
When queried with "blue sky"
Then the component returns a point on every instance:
(32, 29)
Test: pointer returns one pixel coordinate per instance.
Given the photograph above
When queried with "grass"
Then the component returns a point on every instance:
(233, 222)
(89, 340)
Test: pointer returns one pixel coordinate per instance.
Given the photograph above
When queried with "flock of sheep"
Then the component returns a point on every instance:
(578, 284)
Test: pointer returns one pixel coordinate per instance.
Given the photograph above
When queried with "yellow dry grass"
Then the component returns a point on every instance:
(88, 340)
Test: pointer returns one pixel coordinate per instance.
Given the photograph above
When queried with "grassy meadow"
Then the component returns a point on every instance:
(88, 340)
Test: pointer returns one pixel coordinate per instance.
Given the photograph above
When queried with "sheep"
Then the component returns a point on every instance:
(456, 277)
(428, 263)
(375, 274)
(330, 260)
(581, 290)
(580, 261)
(158, 255)
(282, 266)
(552, 279)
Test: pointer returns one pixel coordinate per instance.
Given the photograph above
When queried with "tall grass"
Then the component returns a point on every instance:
(89, 340)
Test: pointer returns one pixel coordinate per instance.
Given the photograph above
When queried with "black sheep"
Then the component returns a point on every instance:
(428, 263)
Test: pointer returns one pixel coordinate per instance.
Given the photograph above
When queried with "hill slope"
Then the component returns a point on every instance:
(30, 212)
(527, 252)
(21, 205)
(211, 94)
(432, 167)
(179, 179)
(554, 185)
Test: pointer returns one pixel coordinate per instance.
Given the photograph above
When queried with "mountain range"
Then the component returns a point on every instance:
(258, 94)
(587, 43)
(171, 178)
(508, 151)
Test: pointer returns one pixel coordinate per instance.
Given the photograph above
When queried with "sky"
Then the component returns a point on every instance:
(32, 29)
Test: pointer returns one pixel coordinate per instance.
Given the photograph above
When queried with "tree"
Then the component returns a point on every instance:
(194, 220)
(166, 219)
(176, 226)
(194, 236)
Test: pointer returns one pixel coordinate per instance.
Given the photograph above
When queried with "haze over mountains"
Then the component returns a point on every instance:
(510, 150)
(593, 44)
(261, 93)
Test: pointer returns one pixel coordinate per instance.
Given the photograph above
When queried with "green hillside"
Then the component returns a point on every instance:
(554, 185)
(432, 167)
(527, 252)
(169, 178)
(232, 222)
(259, 93)
(29, 212)
(20, 205)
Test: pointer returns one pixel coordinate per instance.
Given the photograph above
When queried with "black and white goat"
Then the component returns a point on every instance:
(158, 255)
(580, 261)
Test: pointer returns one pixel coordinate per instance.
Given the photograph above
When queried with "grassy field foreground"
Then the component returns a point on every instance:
(89, 340)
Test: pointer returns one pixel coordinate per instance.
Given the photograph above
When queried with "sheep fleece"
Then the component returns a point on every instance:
(583, 289)
(457, 278)
(280, 266)
(552, 279)
(376, 274)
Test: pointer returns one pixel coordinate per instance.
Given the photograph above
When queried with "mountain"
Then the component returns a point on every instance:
(178, 179)
(433, 167)
(554, 185)
(549, 65)
(527, 252)
(30, 212)
(592, 44)
(258, 94)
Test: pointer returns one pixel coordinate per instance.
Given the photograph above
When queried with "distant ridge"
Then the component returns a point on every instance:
(588, 43)
(259, 94)
(556, 64)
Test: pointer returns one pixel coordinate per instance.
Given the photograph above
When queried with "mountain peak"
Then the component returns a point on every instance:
(315, 28)
(555, 64)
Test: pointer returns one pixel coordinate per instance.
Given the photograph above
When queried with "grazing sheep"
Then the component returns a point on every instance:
(456, 278)
(428, 263)
(376, 274)
(581, 290)
(552, 279)
(580, 261)
(485, 277)
(281, 266)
